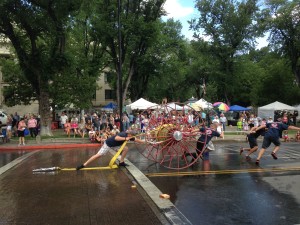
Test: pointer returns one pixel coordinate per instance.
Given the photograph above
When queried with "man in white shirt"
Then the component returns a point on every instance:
(63, 120)
(223, 121)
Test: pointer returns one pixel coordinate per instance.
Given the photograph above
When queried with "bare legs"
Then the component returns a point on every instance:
(262, 151)
(21, 140)
(97, 156)
(254, 149)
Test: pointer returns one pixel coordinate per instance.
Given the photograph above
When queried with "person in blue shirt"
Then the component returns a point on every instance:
(273, 135)
(114, 143)
(206, 134)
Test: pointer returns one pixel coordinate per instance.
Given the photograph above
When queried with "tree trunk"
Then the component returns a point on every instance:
(45, 113)
(297, 74)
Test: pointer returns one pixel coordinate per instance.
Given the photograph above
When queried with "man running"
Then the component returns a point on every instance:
(273, 135)
(252, 139)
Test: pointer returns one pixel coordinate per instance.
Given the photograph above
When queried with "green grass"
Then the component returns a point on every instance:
(59, 133)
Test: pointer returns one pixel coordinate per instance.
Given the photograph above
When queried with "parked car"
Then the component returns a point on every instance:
(3, 117)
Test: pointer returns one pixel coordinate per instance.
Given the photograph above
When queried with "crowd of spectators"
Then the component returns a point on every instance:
(19, 126)
(96, 126)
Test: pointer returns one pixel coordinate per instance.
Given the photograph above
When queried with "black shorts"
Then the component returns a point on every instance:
(252, 141)
(21, 133)
(200, 146)
(268, 140)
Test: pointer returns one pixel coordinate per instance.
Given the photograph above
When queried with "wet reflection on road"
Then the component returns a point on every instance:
(7, 157)
(233, 190)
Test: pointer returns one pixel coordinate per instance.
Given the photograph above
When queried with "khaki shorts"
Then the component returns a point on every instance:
(104, 149)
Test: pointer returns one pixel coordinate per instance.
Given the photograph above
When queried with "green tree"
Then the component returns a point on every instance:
(139, 30)
(161, 71)
(282, 19)
(230, 27)
(201, 69)
(36, 30)
(277, 82)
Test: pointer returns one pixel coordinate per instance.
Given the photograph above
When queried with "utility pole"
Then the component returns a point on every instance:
(120, 64)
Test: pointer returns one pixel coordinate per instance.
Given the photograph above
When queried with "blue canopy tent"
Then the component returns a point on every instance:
(110, 106)
(237, 108)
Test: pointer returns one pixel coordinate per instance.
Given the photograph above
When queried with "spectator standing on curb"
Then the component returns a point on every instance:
(131, 118)
(32, 126)
(15, 122)
(9, 127)
(63, 119)
(21, 128)
(223, 121)
(125, 121)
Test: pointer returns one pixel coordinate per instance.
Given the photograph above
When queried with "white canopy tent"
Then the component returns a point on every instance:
(269, 110)
(141, 104)
(173, 106)
(204, 104)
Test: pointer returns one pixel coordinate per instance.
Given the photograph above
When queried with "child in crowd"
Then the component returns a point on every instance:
(74, 125)
(239, 124)
(68, 127)
(297, 136)
(286, 136)
(245, 125)
(115, 130)
(92, 134)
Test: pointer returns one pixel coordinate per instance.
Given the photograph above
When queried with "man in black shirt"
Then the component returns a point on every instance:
(114, 143)
(252, 139)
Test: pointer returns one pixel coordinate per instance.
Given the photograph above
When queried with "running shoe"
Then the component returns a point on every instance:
(248, 158)
(257, 162)
(273, 154)
(80, 167)
(241, 150)
(123, 164)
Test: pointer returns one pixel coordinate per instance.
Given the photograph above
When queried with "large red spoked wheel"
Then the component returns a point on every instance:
(171, 132)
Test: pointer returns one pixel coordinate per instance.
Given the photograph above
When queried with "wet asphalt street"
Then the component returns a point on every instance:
(227, 189)
(68, 197)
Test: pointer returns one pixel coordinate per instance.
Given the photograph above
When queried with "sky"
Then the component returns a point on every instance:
(183, 10)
